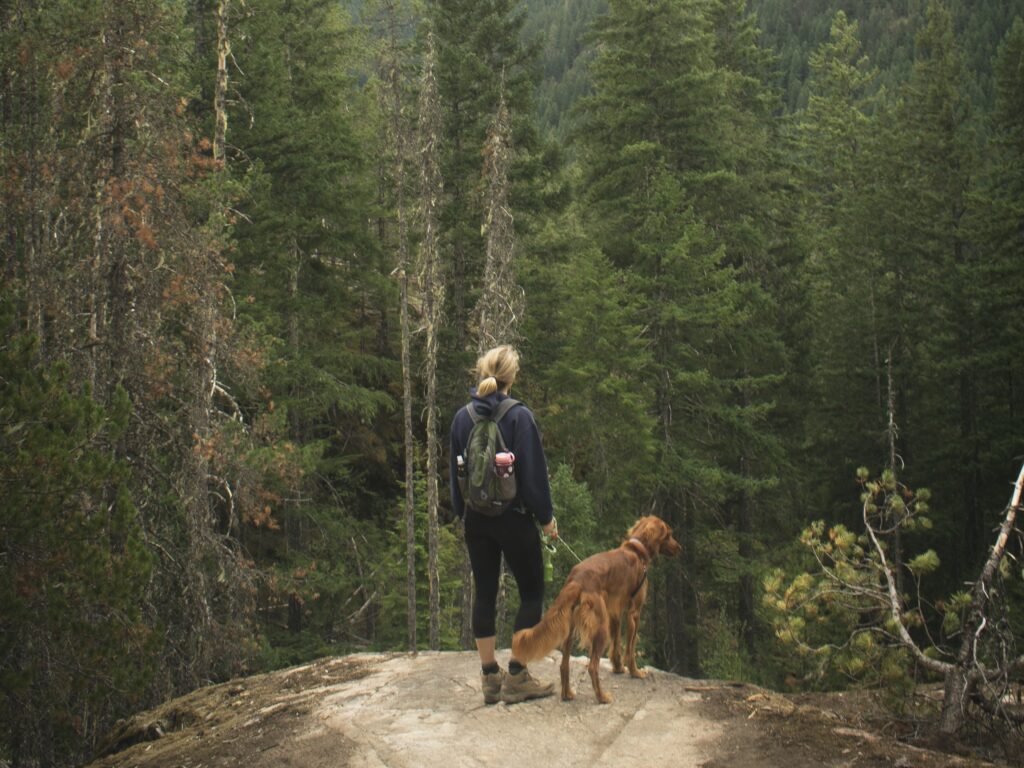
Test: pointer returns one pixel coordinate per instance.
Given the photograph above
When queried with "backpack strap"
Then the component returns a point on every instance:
(497, 414)
(504, 407)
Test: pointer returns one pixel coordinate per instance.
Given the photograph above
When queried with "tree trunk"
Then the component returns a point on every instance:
(955, 693)
(466, 633)
(744, 530)
(501, 605)
(433, 295)
(433, 500)
(500, 306)
(410, 461)
(691, 610)
(294, 614)
(293, 297)
(118, 288)
(398, 137)
(221, 87)
(892, 431)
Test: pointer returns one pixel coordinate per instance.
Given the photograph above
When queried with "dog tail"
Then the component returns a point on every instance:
(530, 644)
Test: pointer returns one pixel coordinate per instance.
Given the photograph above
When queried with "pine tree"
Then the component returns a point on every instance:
(393, 91)
(133, 294)
(936, 279)
(848, 294)
(312, 286)
(586, 379)
(995, 224)
(500, 306)
(477, 41)
(677, 199)
(75, 568)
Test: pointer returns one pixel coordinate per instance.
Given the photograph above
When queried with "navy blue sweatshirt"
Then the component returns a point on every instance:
(521, 436)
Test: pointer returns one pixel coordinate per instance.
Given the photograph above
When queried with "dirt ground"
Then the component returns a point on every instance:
(426, 711)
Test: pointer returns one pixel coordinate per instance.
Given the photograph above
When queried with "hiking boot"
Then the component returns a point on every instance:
(491, 683)
(522, 686)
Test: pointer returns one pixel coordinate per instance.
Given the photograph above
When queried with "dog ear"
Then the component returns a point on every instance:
(667, 545)
(637, 529)
(664, 533)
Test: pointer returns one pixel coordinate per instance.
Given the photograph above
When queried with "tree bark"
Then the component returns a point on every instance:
(955, 693)
(221, 87)
(433, 295)
(744, 529)
(398, 137)
(466, 627)
(892, 432)
(500, 306)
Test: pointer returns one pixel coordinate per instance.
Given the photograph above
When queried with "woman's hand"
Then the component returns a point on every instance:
(551, 529)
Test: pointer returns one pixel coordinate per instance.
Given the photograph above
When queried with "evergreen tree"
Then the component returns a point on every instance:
(737, 199)
(478, 49)
(500, 307)
(586, 379)
(432, 290)
(843, 273)
(995, 223)
(678, 199)
(312, 284)
(394, 87)
(75, 568)
(936, 363)
(117, 268)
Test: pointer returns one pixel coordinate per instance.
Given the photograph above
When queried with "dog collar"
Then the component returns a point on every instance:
(644, 559)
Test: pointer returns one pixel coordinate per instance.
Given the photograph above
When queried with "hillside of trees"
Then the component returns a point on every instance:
(791, 30)
(251, 252)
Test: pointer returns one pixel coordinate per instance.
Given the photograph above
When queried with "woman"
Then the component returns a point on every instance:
(511, 532)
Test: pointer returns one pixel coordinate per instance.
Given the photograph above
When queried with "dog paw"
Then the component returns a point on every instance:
(604, 698)
(618, 670)
(638, 673)
(568, 695)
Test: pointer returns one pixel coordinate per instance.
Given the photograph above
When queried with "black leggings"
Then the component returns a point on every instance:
(515, 534)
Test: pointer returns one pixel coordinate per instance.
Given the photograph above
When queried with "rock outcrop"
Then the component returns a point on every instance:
(427, 711)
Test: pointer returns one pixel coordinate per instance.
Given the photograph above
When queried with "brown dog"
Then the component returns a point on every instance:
(590, 605)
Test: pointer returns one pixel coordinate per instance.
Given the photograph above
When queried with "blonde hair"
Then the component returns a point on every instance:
(496, 369)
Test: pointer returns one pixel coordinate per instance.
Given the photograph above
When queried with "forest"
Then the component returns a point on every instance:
(763, 261)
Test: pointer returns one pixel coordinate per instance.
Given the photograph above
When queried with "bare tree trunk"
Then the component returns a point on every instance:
(460, 269)
(221, 88)
(892, 432)
(466, 633)
(433, 294)
(393, 77)
(745, 529)
(501, 605)
(201, 522)
(691, 606)
(293, 296)
(955, 695)
(94, 302)
(878, 356)
(500, 307)
(410, 444)
(118, 288)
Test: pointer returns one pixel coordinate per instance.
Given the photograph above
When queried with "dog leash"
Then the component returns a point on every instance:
(547, 543)
(566, 545)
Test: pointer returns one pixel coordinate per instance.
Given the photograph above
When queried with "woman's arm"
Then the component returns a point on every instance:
(532, 468)
(458, 505)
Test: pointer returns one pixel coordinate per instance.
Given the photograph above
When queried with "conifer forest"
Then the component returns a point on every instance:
(251, 250)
